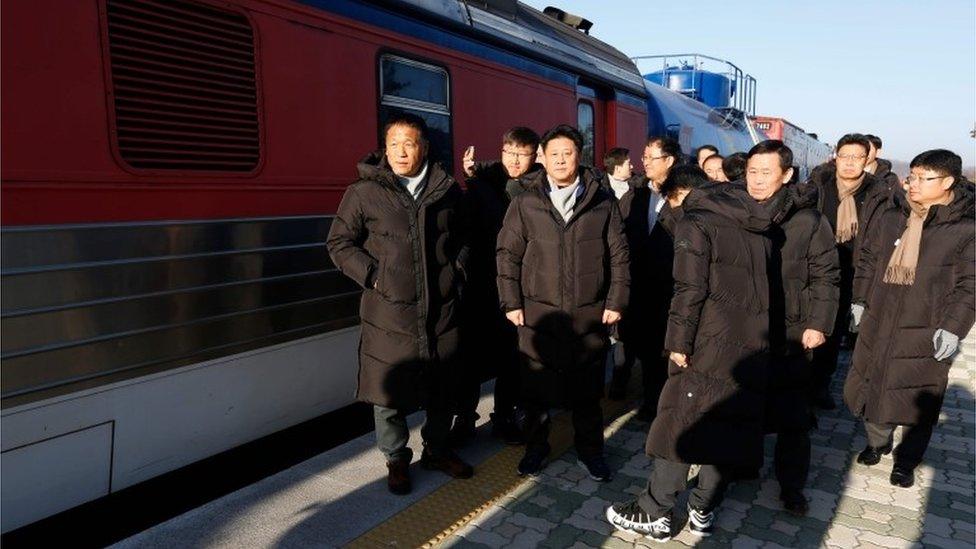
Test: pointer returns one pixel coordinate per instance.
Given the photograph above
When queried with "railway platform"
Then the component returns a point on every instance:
(339, 498)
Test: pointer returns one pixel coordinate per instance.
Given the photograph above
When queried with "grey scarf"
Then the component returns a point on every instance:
(564, 199)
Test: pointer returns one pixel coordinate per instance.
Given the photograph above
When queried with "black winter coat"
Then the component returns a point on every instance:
(633, 209)
(870, 198)
(894, 378)
(712, 411)
(409, 250)
(659, 280)
(488, 338)
(890, 179)
(563, 276)
(803, 296)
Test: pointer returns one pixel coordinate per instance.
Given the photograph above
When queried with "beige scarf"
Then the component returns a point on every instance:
(847, 211)
(901, 266)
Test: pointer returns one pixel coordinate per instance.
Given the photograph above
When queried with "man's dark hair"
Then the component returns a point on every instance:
(406, 119)
(874, 140)
(712, 148)
(668, 146)
(522, 137)
(941, 161)
(776, 146)
(734, 166)
(683, 177)
(855, 139)
(563, 130)
(711, 156)
(615, 157)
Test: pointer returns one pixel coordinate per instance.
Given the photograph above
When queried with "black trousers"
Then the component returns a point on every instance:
(914, 441)
(792, 462)
(669, 478)
(655, 372)
(506, 390)
(587, 428)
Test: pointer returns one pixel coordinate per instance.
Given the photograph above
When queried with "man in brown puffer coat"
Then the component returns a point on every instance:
(914, 288)
(711, 409)
(396, 235)
(563, 277)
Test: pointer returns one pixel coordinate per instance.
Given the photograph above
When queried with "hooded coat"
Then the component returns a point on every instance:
(803, 297)
(712, 411)
(634, 205)
(403, 252)
(563, 275)
(894, 378)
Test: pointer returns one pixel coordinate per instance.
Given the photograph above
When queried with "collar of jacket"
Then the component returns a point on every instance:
(733, 202)
(961, 207)
(374, 167)
(790, 199)
(590, 181)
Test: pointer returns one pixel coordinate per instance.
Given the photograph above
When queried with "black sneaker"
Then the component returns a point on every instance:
(533, 462)
(596, 467)
(629, 517)
(700, 523)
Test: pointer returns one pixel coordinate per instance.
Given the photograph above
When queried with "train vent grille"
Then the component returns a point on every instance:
(185, 87)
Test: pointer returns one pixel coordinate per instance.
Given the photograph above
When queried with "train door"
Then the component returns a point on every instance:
(423, 89)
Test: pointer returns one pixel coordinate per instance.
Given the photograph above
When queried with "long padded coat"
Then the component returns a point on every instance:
(712, 411)
(634, 205)
(803, 297)
(408, 248)
(894, 378)
(563, 275)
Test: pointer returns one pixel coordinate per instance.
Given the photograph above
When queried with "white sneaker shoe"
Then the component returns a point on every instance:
(629, 517)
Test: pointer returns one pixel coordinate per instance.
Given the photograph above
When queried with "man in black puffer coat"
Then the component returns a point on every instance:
(914, 288)
(489, 342)
(850, 218)
(804, 277)
(711, 409)
(881, 168)
(395, 234)
(563, 278)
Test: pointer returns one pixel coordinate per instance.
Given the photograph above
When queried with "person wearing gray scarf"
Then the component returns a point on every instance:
(564, 198)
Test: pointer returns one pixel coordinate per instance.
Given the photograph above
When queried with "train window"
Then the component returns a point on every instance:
(421, 89)
(584, 115)
(184, 86)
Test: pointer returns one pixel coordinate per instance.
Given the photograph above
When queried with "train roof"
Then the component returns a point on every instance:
(530, 32)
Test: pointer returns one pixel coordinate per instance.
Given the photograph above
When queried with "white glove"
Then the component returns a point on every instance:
(857, 310)
(946, 344)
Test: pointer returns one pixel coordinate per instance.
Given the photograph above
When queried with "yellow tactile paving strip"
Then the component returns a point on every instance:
(435, 517)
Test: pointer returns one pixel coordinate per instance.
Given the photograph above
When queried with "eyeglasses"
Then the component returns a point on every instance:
(851, 156)
(920, 179)
(654, 157)
(516, 154)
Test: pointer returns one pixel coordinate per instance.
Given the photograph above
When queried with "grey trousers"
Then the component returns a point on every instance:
(669, 478)
(914, 441)
(392, 432)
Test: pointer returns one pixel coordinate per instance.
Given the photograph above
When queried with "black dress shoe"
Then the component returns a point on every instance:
(398, 477)
(871, 455)
(795, 503)
(902, 476)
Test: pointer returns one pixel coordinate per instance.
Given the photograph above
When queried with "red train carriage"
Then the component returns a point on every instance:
(169, 169)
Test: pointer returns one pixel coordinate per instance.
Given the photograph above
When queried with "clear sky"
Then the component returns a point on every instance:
(904, 70)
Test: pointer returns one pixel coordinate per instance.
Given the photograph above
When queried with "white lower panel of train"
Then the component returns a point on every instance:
(64, 451)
